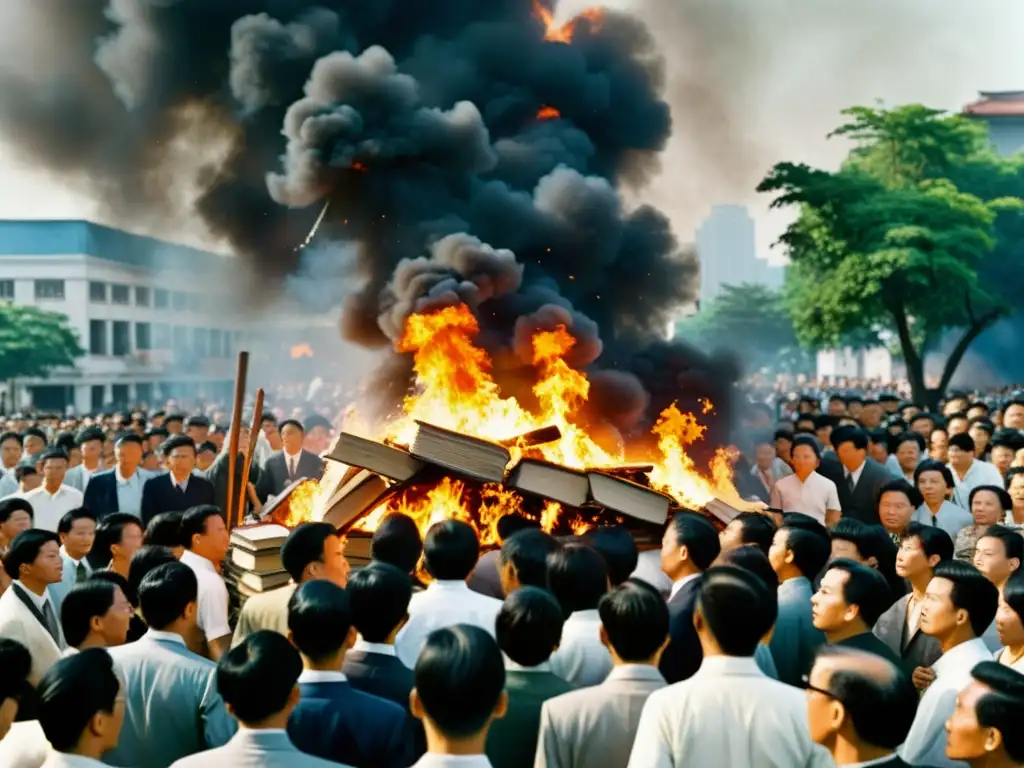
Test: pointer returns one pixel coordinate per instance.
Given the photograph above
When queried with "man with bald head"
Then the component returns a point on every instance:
(860, 707)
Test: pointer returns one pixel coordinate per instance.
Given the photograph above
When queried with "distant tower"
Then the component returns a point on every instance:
(728, 253)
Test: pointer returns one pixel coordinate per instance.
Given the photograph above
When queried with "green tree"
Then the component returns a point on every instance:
(889, 244)
(751, 320)
(33, 342)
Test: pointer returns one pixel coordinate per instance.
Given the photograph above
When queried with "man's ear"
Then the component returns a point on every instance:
(415, 704)
(602, 633)
(502, 706)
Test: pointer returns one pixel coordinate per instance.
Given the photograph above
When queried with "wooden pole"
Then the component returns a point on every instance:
(236, 423)
(257, 418)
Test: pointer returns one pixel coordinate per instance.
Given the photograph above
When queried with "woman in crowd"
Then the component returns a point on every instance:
(1015, 487)
(990, 505)
(935, 482)
(1010, 623)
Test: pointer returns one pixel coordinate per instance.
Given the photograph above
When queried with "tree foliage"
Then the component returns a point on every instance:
(33, 342)
(890, 243)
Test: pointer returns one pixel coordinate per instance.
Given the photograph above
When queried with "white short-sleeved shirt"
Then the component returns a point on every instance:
(812, 497)
(443, 604)
(212, 610)
(48, 508)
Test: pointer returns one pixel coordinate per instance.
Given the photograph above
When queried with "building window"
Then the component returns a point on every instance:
(119, 394)
(50, 289)
(120, 294)
(97, 337)
(141, 296)
(97, 396)
(180, 300)
(161, 336)
(180, 335)
(161, 298)
(216, 343)
(97, 292)
(6, 290)
(122, 339)
(200, 337)
(144, 393)
(142, 336)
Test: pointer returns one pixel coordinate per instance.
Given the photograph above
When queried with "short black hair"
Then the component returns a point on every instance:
(1000, 493)
(511, 523)
(984, 424)
(972, 592)
(207, 447)
(66, 442)
(698, 535)
(865, 587)
(635, 618)
(529, 626)
(148, 557)
(25, 548)
(268, 417)
(811, 550)
(909, 437)
(1007, 437)
(174, 417)
(9, 435)
(618, 548)
(1013, 592)
(109, 532)
(849, 434)
(931, 465)
(1013, 542)
(450, 550)
(902, 486)
(756, 530)
(85, 600)
(13, 504)
(934, 540)
(52, 453)
(72, 692)
(754, 560)
(963, 441)
(193, 522)
(922, 415)
(823, 420)
(528, 551)
(397, 541)
(257, 676)
(1011, 473)
(305, 545)
(129, 437)
(881, 708)
(1002, 707)
(319, 618)
(177, 441)
(25, 469)
(738, 608)
(290, 423)
(379, 596)
(88, 435)
(806, 440)
(164, 530)
(15, 666)
(166, 592)
(68, 519)
(34, 432)
(577, 577)
(459, 677)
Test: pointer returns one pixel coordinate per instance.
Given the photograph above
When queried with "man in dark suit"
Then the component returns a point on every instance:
(862, 477)
(333, 719)
(119, 489)
(689, 547)
(179, 489)
(859, 707)
(291, 463)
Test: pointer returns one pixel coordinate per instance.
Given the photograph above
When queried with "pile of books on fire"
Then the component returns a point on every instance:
(254, 560)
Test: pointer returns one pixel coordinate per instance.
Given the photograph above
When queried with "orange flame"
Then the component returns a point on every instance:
(357, 166)
(564, 33)
(301, 350)
(548, 113)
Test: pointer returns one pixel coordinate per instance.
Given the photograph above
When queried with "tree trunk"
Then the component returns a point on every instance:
(913, 359)
(982, 324)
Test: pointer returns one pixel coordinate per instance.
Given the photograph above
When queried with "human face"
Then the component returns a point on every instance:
(871, 416)
(731, 536)
(980, 437)
(131, 542)
(198, 433)
(1009, 624)
(956, 426)
(821, 709)
(114, 623)
(10, 453)
(215, 538)
(317, 440)
(990, 558)
(1002, 458)
(291, 438)
(878, 451)
(128, 456)
(911, 560)
(966, 740)
(18, 521)
(181, 461)
(764, 455)
(845, 549)
(836, 408)
(824, 434)
(938, 446)
(53, 472)
(1014, 417)
(923, 427)
(1016, 490)
(777, 551)
(784, 449)
(909, 456)
(34, 445)
(92, 452)
(829, 609)
(960, 459)
(986, 508)
(48, 565)
(78, 541)
(932, 486)
(671, 554)
(850, 457)
(939, 617)
(895, 511)
(204, 459)
(805, 460)
(333, 565)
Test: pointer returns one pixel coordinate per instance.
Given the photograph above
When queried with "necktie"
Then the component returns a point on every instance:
(51, 622)
(80, 572)
(291, 468)
(850, 481)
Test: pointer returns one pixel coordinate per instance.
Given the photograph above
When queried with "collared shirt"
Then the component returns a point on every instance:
(432, 760)
(950, 518)
(212, 615)
(869, 763)
(170, 637)
(443, 604)
(382, 648)
(74, 563)
(291, 462)
(677, 585)
(38, 600)
(979, 473)
(65, 760)
(48, 508)
(582, 658)
(926, 742)
(322, 676)
(511, 666)
(812, 496)
(183, 485)
(855, 474)
(129, 493)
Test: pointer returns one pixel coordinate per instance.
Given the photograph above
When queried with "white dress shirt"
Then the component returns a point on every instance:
(648, 569)
(212, 613)
(812, 497)
(129, 492)
(926, 742)
(855, 474)
(48, 508)
(291, 464)
(581, 658)
(382, 648)
(677, 585)
(979, 473)
(38, 600)
(443, 604)
(322, 676)
(728, 714)
(431, 760)
(64, 760)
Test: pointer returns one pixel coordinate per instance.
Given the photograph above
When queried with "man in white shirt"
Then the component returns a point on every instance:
(958, 605)
(52, 500)
(805, 490)
(10, 455)
(450, 552)
(729, 713)
(578, 578)
(206, 542)
(969, 472)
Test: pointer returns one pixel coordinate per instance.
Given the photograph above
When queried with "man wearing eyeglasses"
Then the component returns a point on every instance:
(860, 707)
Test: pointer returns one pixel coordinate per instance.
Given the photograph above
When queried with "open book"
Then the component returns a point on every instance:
(470, 456)
(352, 499)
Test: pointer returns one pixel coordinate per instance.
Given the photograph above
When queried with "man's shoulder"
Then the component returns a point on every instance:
(346, 696)
(149, 653)
(71, 491)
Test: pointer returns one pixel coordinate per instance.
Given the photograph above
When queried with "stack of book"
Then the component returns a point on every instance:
(254, 560)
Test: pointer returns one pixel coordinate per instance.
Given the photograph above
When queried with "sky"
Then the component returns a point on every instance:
(751, 83)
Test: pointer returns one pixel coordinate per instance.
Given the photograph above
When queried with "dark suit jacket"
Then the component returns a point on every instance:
(914, 650)
(484, 578)
(159, 495)
(275, 472)
(512, 740)
(337, 722)
(101, 494)
(862, 502)
(683, 655)
(388, 678)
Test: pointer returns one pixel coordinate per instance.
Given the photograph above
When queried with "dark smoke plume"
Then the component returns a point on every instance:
(417, 124)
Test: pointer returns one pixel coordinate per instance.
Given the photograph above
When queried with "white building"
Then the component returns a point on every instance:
(728, 253)
(150, 315)
(1003, 114)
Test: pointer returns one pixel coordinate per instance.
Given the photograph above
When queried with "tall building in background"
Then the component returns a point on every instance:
(1003, 114)
(728, 253)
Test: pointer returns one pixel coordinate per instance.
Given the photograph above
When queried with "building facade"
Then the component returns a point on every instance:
(1002, 112)
(728, 253)
(150, 315)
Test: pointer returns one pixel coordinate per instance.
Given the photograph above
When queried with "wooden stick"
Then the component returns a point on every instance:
(257, 417)
(236, 423)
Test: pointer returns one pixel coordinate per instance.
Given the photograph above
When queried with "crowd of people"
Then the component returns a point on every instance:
(871, 615)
